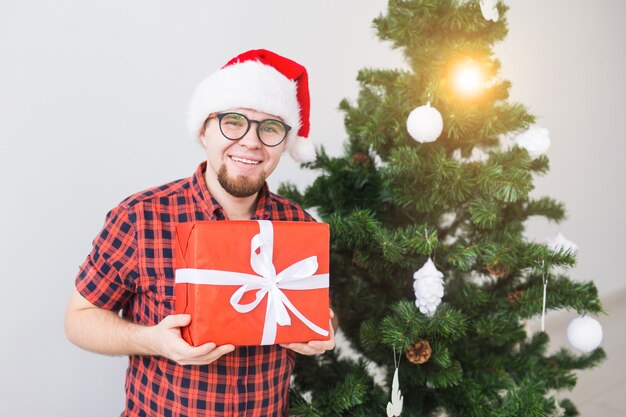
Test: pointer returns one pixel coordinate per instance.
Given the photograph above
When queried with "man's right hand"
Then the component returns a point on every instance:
(104, 331)
(165, 340)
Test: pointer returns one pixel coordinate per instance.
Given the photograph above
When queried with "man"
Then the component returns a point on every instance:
(244, 115)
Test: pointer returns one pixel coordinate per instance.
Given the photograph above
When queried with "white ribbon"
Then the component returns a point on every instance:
(295, 277)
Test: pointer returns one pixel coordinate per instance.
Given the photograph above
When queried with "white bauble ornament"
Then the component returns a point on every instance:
(489, 10)
(428, 286)
(535, 140)
(560, 242)
(584, 333)
(424, 123)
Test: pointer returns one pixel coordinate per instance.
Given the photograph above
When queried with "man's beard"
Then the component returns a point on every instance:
(240, 186)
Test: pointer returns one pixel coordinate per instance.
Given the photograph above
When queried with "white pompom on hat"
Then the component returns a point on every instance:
(263, 81)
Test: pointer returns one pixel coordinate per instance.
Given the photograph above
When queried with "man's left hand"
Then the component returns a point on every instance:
(315, 347)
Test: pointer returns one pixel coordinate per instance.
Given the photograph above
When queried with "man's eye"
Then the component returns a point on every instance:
(233, 121)
(270, 129)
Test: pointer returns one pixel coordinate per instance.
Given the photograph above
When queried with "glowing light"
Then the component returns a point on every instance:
(468, 78)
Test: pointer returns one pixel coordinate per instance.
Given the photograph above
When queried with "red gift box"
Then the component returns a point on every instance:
(253, 282)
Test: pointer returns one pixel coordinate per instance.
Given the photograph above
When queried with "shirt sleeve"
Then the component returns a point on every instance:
(107, 277)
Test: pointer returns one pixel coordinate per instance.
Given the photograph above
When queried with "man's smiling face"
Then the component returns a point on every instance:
(239, 166)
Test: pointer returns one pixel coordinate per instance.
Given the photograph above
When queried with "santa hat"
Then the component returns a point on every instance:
(264, 81)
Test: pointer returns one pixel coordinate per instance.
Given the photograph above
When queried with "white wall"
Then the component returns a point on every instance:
(92, 102)
(567, 62)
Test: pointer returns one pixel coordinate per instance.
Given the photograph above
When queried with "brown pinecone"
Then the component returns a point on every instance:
(498, 271)
(361, 159)
(515, 296)
(419, 353)
(554, 364)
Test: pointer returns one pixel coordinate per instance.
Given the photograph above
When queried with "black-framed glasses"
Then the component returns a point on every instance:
(234, 126)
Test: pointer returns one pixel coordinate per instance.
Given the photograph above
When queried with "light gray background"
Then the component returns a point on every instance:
(92, 103)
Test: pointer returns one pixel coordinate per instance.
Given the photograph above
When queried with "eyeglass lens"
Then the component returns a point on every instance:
(234, 126)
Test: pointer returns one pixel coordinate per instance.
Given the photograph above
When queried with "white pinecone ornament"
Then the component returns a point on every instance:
(428, 288)
(561, 242)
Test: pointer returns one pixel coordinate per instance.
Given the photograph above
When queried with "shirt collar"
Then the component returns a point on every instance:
(213, 209)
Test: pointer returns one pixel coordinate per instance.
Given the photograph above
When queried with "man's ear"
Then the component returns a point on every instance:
(202, 133)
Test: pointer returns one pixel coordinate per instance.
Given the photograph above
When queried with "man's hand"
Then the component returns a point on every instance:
(315, 347)
(104, 331)
(166, 341)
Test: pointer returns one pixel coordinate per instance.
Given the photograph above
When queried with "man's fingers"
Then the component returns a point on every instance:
(301, 348)
(209, 351)
(322, 345)
(168, 342)
(305, 348)
(176, 320)
(221, 350)
(316, 345)
(204, 354)
(185, 354)
(201, 350)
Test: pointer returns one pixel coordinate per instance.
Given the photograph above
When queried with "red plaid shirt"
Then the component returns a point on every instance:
(131, 268)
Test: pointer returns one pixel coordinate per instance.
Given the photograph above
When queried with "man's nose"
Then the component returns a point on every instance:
(251, 138)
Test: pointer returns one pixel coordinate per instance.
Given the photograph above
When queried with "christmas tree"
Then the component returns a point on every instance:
(430, 271)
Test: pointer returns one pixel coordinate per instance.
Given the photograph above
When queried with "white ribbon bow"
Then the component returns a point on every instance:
(295, 277)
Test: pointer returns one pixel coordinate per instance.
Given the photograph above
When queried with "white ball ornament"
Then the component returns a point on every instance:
(489, 10)
(424, 123)
(584, 333)
(536, 140)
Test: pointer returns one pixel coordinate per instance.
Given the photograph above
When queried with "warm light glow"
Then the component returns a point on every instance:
(468, 78)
